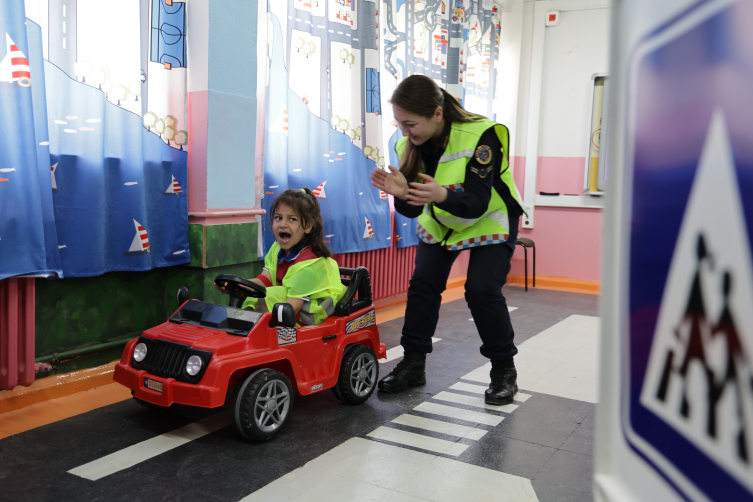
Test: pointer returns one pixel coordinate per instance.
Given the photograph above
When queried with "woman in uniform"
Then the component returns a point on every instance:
(454, 178)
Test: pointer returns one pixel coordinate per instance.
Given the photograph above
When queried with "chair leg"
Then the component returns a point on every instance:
(534, 266)
(525, 249)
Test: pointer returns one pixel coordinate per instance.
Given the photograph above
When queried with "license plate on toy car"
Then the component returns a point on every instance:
(153, 385)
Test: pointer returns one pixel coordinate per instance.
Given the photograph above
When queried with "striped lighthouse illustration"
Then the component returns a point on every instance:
(368, 233)
(52, 173)
(382, 195)
(174, 188)
(281, 124)
(14, 67)
(140, 244)
(319, 191)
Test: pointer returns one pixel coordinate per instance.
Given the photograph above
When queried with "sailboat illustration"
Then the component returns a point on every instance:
(368, 233)
(382, 195)
(319, 191)
(14, 67)
(54, 183)
(140, 244)
(174, 188)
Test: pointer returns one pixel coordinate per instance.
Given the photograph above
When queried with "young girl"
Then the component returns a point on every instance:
(299, 268)
(454, 177)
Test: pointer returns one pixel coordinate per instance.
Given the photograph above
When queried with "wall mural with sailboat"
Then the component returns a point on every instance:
(103, 106)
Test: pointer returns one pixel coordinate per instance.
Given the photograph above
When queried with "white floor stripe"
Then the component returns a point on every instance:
(452, 397)
(145, 450)
(364, 470)
(441, 427)
(480, 389)
(509, 309)
(459, 413)
(419, 441)
(562, 360)
(396, 352)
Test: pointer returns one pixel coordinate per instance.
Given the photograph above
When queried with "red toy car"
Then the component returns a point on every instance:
(208, 354)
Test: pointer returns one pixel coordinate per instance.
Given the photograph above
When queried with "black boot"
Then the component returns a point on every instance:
(504, 382)
(410, 372)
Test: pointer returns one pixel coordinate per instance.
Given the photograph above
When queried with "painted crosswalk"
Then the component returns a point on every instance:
(456, 394)
(419, 441)
(459, 413)
(447, 428)
(128, 457)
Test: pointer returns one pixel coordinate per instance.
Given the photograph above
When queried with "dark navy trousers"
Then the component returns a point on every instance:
(487, 273)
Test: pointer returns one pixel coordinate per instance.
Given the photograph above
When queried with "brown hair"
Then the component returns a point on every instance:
(305, 205)
(420, 95)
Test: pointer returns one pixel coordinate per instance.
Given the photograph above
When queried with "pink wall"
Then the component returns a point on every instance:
(568, 240)
(198, 107)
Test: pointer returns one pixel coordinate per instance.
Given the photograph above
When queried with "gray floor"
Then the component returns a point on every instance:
(547, 439)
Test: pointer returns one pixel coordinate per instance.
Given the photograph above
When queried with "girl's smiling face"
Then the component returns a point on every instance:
(287, 227)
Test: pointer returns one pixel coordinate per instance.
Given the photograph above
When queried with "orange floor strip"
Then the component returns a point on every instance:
(47, 412)
(556, 284)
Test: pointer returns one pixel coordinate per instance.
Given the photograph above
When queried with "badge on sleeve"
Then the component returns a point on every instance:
(483, 154)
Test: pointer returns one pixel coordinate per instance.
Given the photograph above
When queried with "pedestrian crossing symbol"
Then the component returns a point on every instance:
(699, 378)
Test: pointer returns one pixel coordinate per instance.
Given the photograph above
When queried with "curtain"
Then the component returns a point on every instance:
(323, 116)
(108, 81)
(454, 42)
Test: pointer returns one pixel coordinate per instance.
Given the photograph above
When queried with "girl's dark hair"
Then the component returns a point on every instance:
(305, 205)
(420, 95)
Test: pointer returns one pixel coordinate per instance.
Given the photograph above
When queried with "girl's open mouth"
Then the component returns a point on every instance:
(284, 236)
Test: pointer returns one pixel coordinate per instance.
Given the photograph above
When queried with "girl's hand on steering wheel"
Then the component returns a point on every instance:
(393, 183)
(222, 289)
(426, 192)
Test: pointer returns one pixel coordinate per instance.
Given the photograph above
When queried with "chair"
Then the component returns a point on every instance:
(528, 243)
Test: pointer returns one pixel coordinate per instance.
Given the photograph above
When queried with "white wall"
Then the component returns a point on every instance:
(573, 51)
(508, 65)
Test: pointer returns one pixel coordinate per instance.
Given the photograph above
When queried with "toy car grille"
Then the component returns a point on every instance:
(166, 359)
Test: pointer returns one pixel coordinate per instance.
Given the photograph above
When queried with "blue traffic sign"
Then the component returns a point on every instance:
(689, 354)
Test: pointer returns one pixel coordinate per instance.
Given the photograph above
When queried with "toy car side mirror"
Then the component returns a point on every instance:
(283, 314)
(183, 296)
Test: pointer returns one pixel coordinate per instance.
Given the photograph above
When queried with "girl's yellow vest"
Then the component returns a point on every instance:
(318, 279)
(460, 233)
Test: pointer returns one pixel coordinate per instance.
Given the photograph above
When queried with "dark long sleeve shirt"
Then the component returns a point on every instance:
(473, 201)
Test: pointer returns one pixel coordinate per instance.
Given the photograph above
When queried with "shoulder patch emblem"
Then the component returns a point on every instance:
(483, 154)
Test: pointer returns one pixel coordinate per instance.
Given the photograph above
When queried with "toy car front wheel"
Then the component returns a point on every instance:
(262, 404)
(359, 374)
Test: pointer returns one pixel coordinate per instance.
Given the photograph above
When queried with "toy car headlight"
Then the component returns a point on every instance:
(139, 353)
(193, 366)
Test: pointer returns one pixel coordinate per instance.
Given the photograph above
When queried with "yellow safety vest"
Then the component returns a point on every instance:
(436, 225)
(319, 279)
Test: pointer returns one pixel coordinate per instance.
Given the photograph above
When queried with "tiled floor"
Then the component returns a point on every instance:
(438, 442)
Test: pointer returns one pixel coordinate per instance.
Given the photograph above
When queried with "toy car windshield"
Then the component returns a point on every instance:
(228, 319)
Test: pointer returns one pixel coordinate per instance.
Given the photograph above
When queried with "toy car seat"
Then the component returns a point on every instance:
(358, 281)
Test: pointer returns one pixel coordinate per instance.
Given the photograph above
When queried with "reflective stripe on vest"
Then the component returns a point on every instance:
(456, 156)
(494, 215)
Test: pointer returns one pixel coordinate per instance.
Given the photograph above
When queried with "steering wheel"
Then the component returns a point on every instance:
(240, 289)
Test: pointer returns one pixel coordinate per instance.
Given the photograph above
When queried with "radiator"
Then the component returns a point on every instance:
(390, 268)
(16, 332)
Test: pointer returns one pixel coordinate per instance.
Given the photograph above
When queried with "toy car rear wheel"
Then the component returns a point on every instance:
(359, 373)
(262, 404)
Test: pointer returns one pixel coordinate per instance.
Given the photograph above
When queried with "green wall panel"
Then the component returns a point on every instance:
(196, 244)
(231, 244)
(221, 245)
